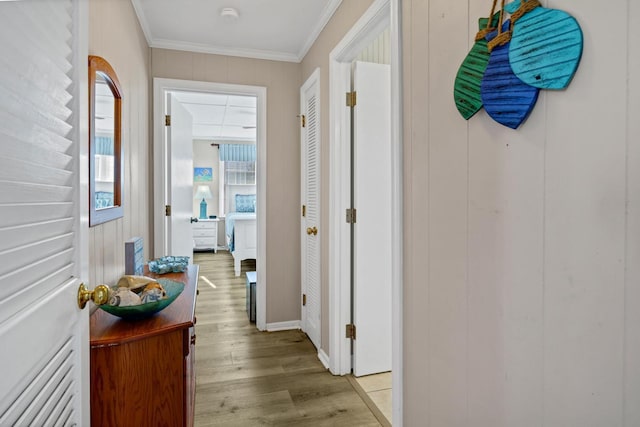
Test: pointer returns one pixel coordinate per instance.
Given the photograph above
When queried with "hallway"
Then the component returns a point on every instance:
(249, 378)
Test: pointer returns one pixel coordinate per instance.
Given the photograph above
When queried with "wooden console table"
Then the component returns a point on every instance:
(142, 372)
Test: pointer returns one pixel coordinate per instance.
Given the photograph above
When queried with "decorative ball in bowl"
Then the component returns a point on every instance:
(172, 290)
(169, 264)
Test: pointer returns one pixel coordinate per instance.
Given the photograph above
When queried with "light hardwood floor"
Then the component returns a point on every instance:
(249, 378)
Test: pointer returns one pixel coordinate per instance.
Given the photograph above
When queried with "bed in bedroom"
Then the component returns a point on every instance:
(241, 230)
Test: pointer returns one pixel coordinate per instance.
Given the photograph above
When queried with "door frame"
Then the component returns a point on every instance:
(81, 65)
(381, 13)
(160, 87)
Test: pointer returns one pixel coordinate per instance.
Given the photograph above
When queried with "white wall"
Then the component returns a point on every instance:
(206, 156)
(522, 248)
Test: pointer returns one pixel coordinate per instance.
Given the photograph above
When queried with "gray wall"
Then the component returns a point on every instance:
(282, 80)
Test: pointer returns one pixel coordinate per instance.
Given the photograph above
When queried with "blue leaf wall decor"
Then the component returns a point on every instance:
(506, 98)
(546, 44)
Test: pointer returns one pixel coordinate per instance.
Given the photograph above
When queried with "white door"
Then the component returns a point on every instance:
(372, 230)
(180, 179)
(310, 224)
(43, 131)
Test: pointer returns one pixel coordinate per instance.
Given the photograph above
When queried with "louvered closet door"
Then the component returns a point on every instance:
(311, 261)
(44, 336)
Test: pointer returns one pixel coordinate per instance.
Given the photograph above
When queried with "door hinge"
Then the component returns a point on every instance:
(350, 331)
(167, 210)
(167, 120)
(351, 99)
(304, 299)
(351, 216)
(303, 119)
(304, 210)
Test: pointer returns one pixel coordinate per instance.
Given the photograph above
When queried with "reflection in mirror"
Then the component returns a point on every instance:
(103, 141)
(105, 144)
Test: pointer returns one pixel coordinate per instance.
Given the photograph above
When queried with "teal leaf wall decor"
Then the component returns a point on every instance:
(546, 44)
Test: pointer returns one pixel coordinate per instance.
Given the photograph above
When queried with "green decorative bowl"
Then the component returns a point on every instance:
(135, 312)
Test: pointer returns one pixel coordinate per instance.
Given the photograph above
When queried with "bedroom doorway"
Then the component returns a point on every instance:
(191, 92)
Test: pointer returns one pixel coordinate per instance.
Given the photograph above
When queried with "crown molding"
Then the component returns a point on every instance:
(220, 50)
(137, 7)
(324, 20)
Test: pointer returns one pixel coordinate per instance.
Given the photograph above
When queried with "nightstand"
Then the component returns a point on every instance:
(205, 235)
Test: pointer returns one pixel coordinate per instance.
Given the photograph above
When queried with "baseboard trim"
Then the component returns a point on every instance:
(283, 326)
(324, 359)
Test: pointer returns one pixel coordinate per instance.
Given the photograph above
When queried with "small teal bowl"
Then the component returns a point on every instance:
(135, 312)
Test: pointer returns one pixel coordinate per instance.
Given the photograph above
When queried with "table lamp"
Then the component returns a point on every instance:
(203, 192)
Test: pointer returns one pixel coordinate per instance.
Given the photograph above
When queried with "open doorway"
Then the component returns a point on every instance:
(198, 96)
(224, 172)
(381, 15)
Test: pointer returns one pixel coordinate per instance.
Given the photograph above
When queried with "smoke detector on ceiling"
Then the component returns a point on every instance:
(229, 14)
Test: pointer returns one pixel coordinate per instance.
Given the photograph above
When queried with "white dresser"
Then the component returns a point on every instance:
(205, 235)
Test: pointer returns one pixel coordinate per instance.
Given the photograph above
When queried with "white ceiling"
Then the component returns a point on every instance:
(281, 30)
(221, 117)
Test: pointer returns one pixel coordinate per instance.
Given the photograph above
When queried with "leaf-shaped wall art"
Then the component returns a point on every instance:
(506, 98)
(466, 89)
(546, 44)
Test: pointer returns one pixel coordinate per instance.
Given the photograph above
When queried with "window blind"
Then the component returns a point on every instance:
(237, 152)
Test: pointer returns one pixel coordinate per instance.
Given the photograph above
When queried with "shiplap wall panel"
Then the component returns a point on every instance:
(128, 53)
(378, 51)
(631, 373)
(553, 293)
(416, 216)
(448, 175)
(506, 189)
(484, 301)
(585, 235)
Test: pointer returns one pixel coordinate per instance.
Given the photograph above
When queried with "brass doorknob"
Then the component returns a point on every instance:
(311, 231)
(99, 296)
